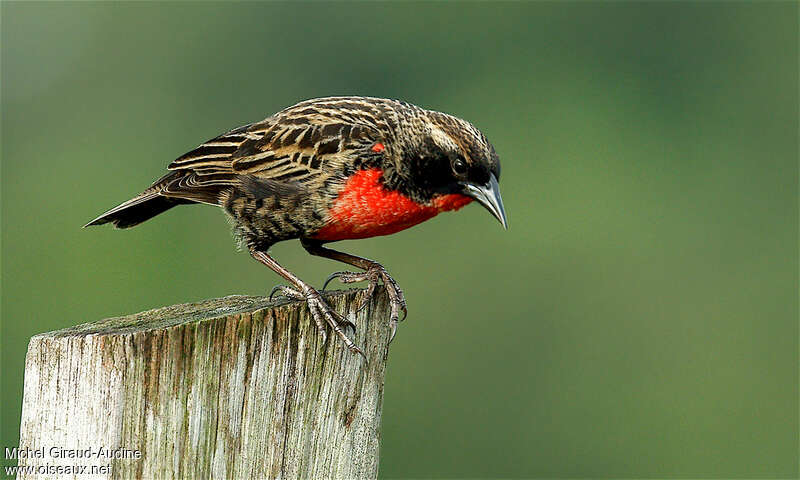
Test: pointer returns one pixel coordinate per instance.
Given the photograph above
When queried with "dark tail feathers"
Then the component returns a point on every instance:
(137, 210)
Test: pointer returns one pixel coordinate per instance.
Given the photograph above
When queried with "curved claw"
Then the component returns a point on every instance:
(393, 326)
(331, 277)
(287, 292)
(343, 321)
(275, 289)
(355, 349)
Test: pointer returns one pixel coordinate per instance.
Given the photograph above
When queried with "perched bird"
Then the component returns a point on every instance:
(330, 169)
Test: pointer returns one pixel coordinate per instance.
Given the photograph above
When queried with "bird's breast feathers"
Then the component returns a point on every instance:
(365, 208)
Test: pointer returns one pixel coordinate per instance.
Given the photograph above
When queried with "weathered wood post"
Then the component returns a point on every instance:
(228, 388)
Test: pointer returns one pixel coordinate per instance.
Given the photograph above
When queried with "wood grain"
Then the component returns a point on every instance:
(235, 387)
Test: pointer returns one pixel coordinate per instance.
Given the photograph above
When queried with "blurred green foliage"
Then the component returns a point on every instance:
(639, 318)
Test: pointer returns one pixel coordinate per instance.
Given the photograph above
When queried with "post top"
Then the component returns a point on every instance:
(173, 315)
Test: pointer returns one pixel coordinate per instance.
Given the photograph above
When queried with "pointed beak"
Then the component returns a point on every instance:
(489, 196)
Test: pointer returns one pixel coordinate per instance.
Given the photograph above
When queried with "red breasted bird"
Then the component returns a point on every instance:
(330, 169)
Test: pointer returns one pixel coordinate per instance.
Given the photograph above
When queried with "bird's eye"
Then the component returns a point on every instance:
(459, 166)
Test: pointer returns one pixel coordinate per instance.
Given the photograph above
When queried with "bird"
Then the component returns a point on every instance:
(330, 169)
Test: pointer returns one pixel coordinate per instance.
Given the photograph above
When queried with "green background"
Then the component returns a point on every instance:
(639, 317)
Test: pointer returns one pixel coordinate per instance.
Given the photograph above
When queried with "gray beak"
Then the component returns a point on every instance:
(489, 196)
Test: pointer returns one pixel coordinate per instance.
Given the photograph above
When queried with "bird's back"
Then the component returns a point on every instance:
(263, 174)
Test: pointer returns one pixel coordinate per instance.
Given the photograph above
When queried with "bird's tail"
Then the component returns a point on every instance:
(142, 207)
(137, 210)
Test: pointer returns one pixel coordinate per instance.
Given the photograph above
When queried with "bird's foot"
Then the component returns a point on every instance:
(376, 274)
(322, 313)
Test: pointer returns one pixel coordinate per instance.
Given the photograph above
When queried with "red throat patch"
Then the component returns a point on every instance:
(365, 209)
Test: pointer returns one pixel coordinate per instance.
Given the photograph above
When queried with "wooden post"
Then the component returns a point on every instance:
(235, 387)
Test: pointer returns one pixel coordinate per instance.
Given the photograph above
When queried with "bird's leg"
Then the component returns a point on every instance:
(373, 272)
(321, 312)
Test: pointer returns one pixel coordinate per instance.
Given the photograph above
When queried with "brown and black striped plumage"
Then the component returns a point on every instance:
(328, 169)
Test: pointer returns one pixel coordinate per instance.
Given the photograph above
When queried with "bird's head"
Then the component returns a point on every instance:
(447, 155)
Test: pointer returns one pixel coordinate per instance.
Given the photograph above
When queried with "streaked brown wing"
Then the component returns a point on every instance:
(291, 147)
(213, 158)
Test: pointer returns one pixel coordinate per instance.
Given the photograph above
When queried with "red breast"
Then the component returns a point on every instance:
(364, 208)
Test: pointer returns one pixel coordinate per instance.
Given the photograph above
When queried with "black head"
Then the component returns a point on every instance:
(448, 155)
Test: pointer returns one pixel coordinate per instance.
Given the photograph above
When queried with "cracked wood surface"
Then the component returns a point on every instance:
(235, 387)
